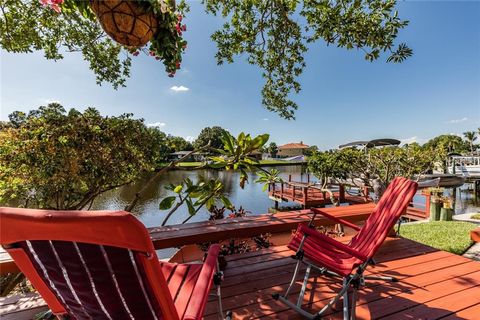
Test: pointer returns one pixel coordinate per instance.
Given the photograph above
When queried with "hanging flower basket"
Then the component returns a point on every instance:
(125, 21)
(136, 23)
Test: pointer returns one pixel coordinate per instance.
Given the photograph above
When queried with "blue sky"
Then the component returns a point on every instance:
(344, 97)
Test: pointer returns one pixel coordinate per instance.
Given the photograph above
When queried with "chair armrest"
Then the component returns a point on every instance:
(323, 238)
(198, 300)
(336, 219)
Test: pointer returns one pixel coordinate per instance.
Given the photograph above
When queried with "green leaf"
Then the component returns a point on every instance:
(178, 189)
(167, 203)
(191, 208)
(226, 202)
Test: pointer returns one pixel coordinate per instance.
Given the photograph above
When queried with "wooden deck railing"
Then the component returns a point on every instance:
(211, 231)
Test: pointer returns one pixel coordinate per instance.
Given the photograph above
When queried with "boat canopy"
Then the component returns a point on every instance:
(371, 143)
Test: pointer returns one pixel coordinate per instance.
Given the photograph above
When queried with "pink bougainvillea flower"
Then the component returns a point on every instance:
(152, 53)
(53, 4)
(157, 58)
(179, 17)
(171, 74)
(136, 53)
(184, 27)
(184, 46)
(231, 215)
(178, 28)
(55, 7)
(177, 65)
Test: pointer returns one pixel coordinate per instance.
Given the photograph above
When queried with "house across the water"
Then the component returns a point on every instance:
(292, 149)
(180, 154)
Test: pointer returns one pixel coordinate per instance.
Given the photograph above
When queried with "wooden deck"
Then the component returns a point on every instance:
(208, 231)
(433, 285)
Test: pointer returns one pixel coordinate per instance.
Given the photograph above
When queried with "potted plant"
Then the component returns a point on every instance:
(151, 26)
(446, 212)
(435, 203)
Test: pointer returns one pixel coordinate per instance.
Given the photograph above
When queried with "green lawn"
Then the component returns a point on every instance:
(451, 236)
(262, 163)
(475, 216)
(266, 162)
(192, 164)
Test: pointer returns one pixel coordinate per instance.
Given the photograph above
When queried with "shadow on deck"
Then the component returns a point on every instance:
(433, 285)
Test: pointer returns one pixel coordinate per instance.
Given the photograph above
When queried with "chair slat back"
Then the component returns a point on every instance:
(88, 265)
(94, 281)
(391, 206)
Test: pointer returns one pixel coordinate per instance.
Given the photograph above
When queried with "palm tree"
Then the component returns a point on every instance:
(273, 149)
(470, 136)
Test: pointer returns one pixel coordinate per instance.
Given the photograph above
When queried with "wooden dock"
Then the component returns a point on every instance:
(309, 195)
(433, 285)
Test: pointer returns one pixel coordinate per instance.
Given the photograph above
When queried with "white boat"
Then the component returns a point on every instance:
(465, 165)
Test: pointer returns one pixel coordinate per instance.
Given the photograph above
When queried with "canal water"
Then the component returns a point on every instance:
(251, 198)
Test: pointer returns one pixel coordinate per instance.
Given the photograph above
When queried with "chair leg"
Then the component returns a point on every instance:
(353, 308)
(318, 315)
(297, 267)
(217, 281)
(331, 274)
(385, 278)
(304, 286)
(346, 284)
(220, 306)
(345, 301)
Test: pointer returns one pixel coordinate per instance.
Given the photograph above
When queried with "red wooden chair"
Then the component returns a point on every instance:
(335, 259)
(102, 265)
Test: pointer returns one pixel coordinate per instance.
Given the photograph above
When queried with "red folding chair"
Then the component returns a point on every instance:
(348, 262)
(102, 265)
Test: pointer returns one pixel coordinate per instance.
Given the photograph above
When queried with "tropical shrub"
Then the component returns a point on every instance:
(374, 168)
(51, 158)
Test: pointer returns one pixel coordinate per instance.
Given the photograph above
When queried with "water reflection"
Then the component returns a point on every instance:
(252, 198)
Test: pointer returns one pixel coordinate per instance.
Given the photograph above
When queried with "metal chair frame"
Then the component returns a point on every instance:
(355, 281)
(397, 196)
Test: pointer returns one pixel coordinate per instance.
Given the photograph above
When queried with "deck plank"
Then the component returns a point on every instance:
(433, 284)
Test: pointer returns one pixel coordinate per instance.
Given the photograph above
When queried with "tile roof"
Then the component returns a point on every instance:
(294, 145)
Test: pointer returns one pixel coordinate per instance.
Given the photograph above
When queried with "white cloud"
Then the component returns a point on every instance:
(47, 101)
(157, 124)
(179, 88)
(190, 138)
(265, 119)
(412, 140)
(454, 121)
